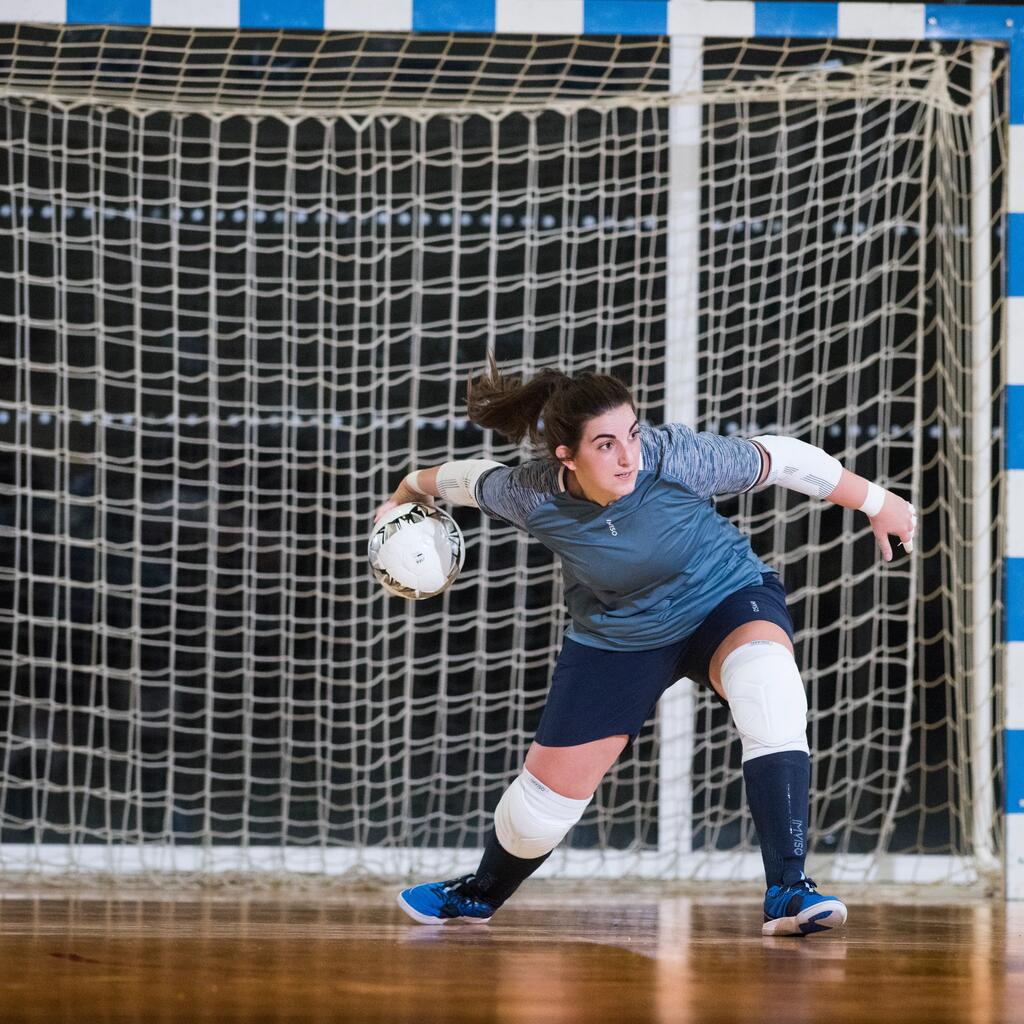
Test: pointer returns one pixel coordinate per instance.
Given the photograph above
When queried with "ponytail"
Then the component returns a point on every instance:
(509, 406)
(551, 408)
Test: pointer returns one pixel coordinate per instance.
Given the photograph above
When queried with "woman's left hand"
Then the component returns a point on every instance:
(897, 517)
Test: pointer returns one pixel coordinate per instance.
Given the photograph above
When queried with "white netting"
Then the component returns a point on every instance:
(249, 275)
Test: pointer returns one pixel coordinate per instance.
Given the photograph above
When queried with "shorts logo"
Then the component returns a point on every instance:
(754, 606)
(611, 528)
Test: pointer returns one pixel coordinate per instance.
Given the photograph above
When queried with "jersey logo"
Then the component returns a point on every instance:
(611, 528)
(753, 604)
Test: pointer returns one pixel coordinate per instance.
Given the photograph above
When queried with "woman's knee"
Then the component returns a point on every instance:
(759, 629)
(531, 819)
(761, 681)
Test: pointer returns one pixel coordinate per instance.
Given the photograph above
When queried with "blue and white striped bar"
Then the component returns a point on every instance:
(1014, 702)
(725, 19)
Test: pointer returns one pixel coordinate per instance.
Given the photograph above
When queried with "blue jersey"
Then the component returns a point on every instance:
(646, 570)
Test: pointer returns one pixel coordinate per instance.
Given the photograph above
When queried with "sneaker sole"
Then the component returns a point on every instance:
(420, 918)
(822, 917)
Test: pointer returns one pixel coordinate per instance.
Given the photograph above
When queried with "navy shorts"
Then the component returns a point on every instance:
(596, 693)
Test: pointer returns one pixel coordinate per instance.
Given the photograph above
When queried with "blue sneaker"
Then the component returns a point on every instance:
(800, 910)
(441, 902)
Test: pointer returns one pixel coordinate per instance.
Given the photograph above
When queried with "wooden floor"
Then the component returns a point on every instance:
(554, 954)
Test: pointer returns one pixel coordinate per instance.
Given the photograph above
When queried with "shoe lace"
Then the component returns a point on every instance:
(454, 884)
(452, 890)
(805, 884)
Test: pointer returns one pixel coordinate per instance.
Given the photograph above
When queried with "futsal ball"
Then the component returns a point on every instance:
(416, 551)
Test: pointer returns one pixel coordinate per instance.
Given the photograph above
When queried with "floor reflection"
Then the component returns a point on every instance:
(553, 956)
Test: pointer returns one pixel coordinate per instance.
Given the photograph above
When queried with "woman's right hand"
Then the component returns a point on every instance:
(403, 493)
(896, 517)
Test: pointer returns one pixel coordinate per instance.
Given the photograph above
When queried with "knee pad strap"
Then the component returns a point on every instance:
(531, 819)
(766, 696)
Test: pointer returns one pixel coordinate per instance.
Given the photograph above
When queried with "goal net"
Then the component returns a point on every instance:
(247, 276)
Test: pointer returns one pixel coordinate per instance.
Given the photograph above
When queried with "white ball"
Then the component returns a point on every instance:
(416, 551)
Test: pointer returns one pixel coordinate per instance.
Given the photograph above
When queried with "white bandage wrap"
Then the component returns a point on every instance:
(456, 481)
(874, 501)
(800, 466)
(531, 820)
(766, 697)
(412, 481)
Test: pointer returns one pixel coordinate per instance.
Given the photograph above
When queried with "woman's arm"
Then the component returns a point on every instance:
(810, 470)
(453, 481)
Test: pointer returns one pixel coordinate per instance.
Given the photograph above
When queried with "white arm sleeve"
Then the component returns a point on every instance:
(456, 481)
(800, 466)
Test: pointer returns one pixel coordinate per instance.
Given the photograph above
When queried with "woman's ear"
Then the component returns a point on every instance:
(564, 456)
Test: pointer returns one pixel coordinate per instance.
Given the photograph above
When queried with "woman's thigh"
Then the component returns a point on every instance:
(574, 771)
(596, 695)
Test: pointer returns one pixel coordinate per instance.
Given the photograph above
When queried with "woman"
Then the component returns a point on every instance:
(648, 605)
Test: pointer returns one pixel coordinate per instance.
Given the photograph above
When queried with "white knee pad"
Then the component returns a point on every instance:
(766, 696)
(531, 820)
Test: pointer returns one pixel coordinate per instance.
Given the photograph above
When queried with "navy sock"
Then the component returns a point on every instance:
(499, 873)
(778, 788)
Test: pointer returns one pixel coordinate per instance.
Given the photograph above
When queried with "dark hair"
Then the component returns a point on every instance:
(551, 407)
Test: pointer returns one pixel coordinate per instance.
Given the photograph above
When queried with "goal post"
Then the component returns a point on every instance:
(251, 253)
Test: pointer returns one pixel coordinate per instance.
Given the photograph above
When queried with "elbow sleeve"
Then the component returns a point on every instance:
(456, 481)
(800, 466)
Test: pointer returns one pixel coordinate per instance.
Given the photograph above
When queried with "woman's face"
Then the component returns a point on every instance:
(607, 459)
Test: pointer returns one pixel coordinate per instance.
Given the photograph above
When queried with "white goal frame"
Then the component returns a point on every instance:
(687, 24)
